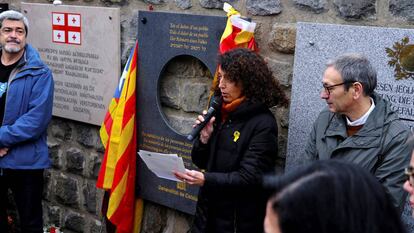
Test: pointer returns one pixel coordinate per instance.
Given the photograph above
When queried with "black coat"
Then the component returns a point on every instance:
(239, 152)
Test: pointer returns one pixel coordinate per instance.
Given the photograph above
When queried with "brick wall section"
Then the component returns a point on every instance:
(71, 199)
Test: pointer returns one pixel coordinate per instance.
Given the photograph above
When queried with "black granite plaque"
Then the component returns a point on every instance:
(4, 7)
(162, 37)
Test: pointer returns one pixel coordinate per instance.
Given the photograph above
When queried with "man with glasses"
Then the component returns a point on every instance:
(26, 100)
(359, 126)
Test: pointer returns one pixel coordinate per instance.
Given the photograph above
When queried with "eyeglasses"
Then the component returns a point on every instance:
(8, 30)
(329, 88)
(409, 172)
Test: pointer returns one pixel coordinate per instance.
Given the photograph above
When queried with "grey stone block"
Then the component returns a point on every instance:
(404, 8)
(283, 71)
(183, 4)
(55, 153)
(96, 226)
(89, 197)
(54, 214)
(88, 136)
(67, 192)
(170, 92)
(75, 161)
(317, 6)
(157, 2)
(196, 97)
(264, 7)
(47, 185)
(60, 129)
(210, 4)
(355, 9)
(155, 218)
(283, 38)
(75, 222)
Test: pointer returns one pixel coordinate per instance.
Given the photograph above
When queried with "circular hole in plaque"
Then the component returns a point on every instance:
(184, 88)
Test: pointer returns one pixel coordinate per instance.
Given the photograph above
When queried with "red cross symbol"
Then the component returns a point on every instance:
(66, 28)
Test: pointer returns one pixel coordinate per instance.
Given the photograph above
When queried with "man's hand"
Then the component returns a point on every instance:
(190, 177)
(3, 152)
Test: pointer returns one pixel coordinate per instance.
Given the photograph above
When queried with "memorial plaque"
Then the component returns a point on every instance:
(81, 45)
(317, 43)
(162, 37)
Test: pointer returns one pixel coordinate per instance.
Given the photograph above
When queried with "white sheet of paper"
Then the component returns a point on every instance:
(161, 164)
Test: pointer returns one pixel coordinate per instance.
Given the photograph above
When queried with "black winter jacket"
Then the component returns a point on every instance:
(237, 155)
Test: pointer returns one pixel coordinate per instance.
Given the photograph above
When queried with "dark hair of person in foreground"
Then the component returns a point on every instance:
(330, 196)
(240, 65)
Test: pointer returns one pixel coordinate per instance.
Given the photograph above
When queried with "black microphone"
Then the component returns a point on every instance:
(214, 107)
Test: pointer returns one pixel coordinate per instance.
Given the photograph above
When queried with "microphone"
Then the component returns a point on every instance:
(214, 107)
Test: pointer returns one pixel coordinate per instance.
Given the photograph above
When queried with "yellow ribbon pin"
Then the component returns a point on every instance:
(236, 136)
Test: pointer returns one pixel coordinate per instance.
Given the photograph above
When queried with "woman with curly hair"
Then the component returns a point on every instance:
(236, 147)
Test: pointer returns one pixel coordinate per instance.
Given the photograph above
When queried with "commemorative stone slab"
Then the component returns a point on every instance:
(81, 45)
(161, 38)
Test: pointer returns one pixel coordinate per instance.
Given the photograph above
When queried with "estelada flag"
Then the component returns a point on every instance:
(239, 33)
(118, 169)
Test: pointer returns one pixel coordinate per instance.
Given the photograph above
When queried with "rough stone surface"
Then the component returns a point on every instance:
(264, 7)
(67, 192)
(75, 222)
(47, 185)
(170, 92)
(55, 154)
(75, 161)
(93, 165)
(89, 196)
(180, 122)
(157, 2)
(61, 130)
(210, 4)
(53, 214)
(183, 4)
(155, 218)
(355, 9)
(283, 71)
(282, 38)
(96, 226)
(196, 97)
(317, 6)
(88, 136)
(404, 8)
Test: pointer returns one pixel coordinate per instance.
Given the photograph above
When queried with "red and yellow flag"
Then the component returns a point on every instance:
(239, 33)
(118, 169)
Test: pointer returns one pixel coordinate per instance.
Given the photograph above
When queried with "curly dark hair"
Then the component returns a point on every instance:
(249, 69)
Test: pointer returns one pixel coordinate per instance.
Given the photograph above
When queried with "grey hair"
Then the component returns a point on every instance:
(14, 15)
(355, 67)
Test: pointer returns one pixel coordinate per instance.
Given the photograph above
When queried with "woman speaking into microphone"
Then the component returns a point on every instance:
(236, 147)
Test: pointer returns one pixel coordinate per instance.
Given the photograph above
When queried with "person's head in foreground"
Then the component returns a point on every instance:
(330, 196)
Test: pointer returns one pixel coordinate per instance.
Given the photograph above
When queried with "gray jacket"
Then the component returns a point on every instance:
(380, 145)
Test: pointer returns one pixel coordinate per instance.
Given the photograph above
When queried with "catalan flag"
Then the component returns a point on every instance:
(239, 33)
(118, 169)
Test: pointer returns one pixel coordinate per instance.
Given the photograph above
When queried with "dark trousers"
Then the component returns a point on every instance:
(27, 190)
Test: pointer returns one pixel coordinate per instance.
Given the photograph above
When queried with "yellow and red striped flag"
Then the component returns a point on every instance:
(239, 33)
(118, 169)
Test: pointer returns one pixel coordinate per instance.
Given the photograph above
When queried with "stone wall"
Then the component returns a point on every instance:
(71, 199)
